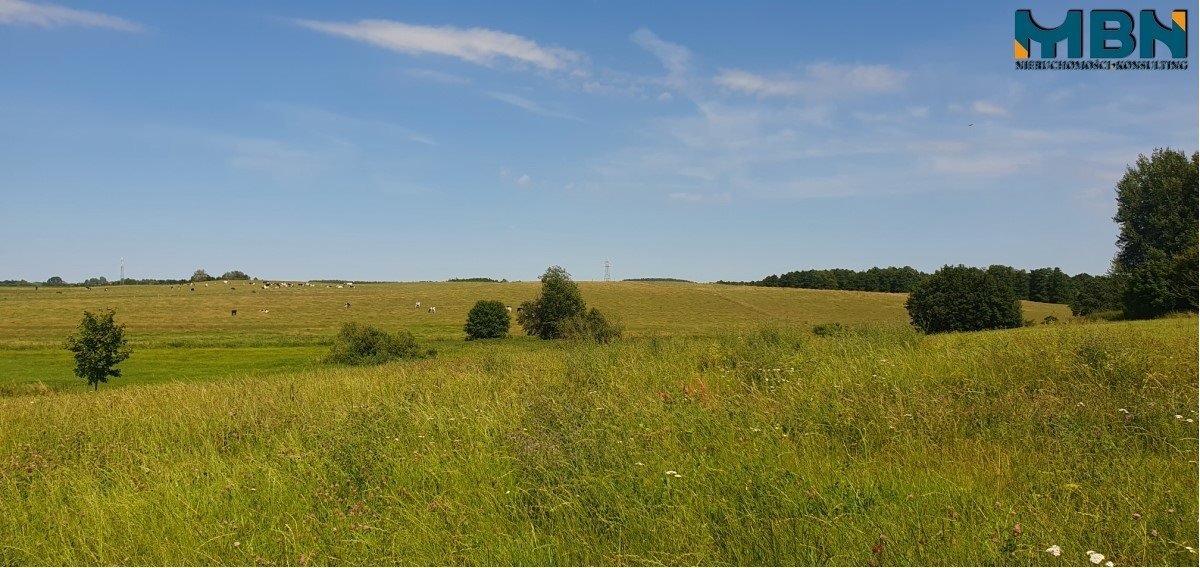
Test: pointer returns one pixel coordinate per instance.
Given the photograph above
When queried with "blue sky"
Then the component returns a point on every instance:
(405, 141)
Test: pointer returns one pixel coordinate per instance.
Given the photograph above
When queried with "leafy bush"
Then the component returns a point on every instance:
(366, 345)
(560, 301)
(592, 326)
(99, 347)
(959, 298)
(829, 329)
(488, 319)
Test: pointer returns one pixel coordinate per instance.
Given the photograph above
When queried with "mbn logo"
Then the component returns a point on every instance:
(1110, 35)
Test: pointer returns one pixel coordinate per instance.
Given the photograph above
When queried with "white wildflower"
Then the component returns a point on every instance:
(1179, 417)
(1189, 421)
(670, 472)
(1095, 557)
(1123, 410)
(1055, 550)
(677, 476)
(1109, 564)
(638, 463)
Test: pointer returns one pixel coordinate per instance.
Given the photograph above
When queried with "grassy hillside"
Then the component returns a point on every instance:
(770, 446)
(175, 316)
(285, 330)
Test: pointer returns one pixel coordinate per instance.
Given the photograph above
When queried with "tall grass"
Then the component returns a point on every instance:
(763, 446)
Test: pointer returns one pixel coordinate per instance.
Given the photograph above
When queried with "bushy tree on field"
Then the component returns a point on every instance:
(1156, 251)
(366, 345)
(560, 301)
(55, 281)
(201, 276)
(960, 298)
(592, 326)
(235, 275)
(99, 346)
(488, 319)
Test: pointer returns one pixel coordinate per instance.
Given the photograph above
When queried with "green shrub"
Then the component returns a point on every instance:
(829, 329)
(366, 345)
(592, 326)
(488, 319)
(1049, 319)
(959, 298)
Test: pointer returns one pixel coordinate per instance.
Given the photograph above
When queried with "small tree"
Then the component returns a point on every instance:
(235, 275)
(488, 319)
(559, 302)
(959, 298)
(55, 281)
(200, 276)
(99, 346)
(366, 345)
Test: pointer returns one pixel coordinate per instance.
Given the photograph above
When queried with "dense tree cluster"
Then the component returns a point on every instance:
(1156, 262)
(962, 298)
(1050, 285)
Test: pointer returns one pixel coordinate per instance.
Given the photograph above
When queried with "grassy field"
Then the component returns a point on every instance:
(178, 334)
(720, 431)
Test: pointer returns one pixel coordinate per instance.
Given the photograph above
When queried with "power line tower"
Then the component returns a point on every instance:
(607, 274)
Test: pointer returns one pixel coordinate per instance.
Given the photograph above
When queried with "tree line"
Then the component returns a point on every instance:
(1049, 284)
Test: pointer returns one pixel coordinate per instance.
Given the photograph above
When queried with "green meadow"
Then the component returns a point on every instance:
(719, 431)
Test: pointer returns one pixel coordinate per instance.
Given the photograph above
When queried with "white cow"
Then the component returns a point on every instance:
(418, 305)
(508, 309)
(432, 310)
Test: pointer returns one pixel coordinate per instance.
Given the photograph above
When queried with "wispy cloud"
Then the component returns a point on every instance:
(320, 119)
(19, 12)
(686, 197)
(476, 45)
(524, 180)
(818, 80)
(985, 107)
(530, 106)
(675, 58)
(435, 76)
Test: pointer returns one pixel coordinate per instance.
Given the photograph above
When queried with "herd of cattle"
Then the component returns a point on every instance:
(268, 285)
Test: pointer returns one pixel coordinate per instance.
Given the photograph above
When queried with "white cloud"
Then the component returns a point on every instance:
(674, 57)
(819, 80)
(528, 105)
(984, 107)
(476, 45)
(524, 180)
(19, 12)
(665, 97)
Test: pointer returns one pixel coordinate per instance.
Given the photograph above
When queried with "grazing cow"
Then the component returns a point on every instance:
(347, 305)
(193, 288)
(339, 286)
(233, 312)
(418, 305)
(508, 309)
(265, 311)
(225, 281)
(266, 287)
(206, 284)
(432, 310)
(350, 284)
(519, 309)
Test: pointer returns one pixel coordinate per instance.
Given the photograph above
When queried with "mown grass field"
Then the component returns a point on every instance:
(744, 441)
(178, 334)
